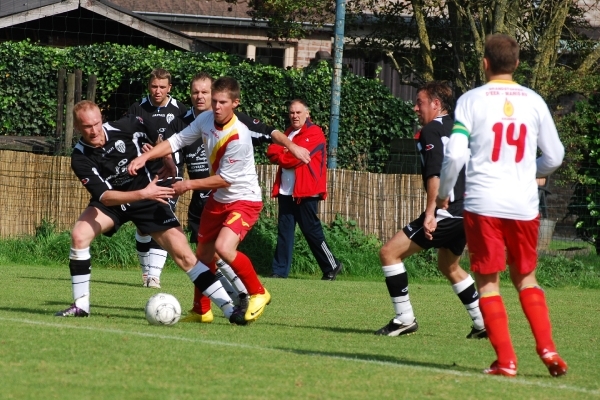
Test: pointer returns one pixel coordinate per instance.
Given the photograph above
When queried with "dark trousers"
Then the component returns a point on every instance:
(305, 214)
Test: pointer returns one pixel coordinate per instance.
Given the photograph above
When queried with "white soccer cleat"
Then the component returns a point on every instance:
(153, 282)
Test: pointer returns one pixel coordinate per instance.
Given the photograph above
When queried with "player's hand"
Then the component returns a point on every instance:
(300, 153)
(135, 164)
(147, 147)
(158, 193)
(180, 187)
(429, 226)
(442, 203)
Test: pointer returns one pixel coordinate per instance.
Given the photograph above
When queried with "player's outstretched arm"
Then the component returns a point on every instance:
(150, 192)
(160, 150)
(211, 183)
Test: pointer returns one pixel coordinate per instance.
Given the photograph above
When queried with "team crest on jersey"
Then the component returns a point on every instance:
(120, 146)
(428, 147)
(255, 121)
(509, 109)
(170, 117)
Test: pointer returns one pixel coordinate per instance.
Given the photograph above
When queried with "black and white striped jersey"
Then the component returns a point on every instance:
(164, 119)
(431, 142)
(105, 168)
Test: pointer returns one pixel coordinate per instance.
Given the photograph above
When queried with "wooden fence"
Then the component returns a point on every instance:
(34, 188)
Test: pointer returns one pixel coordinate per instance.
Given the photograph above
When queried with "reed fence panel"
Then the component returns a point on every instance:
(38, 187)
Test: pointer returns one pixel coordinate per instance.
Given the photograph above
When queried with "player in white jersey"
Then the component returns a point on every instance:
(504, 124)
(236, 202)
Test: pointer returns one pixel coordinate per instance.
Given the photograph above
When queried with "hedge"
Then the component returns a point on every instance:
(370, 116)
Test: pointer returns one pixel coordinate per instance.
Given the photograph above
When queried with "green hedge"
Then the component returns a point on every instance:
(370, 116)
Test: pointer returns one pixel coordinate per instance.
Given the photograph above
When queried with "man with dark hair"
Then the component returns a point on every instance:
(498, 130)
(435, 228)
(162, 110)
(235, 205)
(100, 161)
(299, 187)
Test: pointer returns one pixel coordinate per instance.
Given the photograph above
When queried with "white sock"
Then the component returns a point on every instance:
(232, 277)
(219, 296)
(396, 277)
(156, 262)
(472, 306)
(226, 285)
(81, 283)
(196, 270)
(143, 255)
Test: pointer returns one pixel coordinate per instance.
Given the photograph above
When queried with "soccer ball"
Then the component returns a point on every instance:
(163, 309)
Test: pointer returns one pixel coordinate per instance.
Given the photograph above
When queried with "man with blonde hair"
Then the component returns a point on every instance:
(100, 161)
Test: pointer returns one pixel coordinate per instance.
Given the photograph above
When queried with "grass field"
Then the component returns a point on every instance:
(315, 341)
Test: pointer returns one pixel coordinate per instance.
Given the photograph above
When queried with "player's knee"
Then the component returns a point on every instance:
(80, 238)
(385, 254)
(226, 252)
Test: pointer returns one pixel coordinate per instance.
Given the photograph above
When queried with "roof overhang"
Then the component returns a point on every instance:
(107, 10)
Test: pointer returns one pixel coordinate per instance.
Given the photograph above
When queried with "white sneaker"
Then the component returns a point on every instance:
(153, 282)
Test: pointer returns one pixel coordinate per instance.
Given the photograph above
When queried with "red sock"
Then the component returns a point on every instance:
(212, 266)
(534, 306)
(201, 303)
(496, 324)
(244, 269)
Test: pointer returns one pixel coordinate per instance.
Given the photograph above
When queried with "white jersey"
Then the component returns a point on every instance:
(503, 123)
(230, 154)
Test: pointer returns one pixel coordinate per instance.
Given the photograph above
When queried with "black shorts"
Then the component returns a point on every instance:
(148, 216)
(449, 234)
(195, 209)
(167, 183)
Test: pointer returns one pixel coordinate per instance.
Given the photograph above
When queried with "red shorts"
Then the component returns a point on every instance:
(239, 216)
(487, 238)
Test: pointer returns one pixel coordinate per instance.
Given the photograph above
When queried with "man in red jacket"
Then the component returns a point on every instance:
(299, 187)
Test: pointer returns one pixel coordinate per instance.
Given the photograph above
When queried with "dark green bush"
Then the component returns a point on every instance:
(370, 117)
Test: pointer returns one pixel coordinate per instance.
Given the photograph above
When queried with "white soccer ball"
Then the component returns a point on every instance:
(163, 309)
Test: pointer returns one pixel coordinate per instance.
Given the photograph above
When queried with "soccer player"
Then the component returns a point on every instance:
(100, 161)
(197, 165)
(162, 110)
(236, 203)
(435, 228)
(503, 124)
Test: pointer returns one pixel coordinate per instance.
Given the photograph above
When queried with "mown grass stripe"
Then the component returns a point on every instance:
(517, 381)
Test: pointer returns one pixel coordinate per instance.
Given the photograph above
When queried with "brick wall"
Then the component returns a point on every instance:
(307, 49)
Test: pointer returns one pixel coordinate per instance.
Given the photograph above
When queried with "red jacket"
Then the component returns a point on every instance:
(311, 178)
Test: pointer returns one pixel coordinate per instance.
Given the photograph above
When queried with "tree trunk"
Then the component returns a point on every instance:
(425, 46)
(589, 62)
(498, 18)
(548, 45)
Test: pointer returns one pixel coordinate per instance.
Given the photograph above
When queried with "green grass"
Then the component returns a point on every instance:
(314, 341)
(358, 252)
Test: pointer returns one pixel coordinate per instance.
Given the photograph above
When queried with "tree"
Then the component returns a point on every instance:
(444, 39)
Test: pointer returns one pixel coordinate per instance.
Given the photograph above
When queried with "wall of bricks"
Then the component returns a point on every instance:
(307, 49)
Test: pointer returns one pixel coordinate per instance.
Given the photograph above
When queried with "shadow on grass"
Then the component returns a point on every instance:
(383, 359)
(92, 281)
